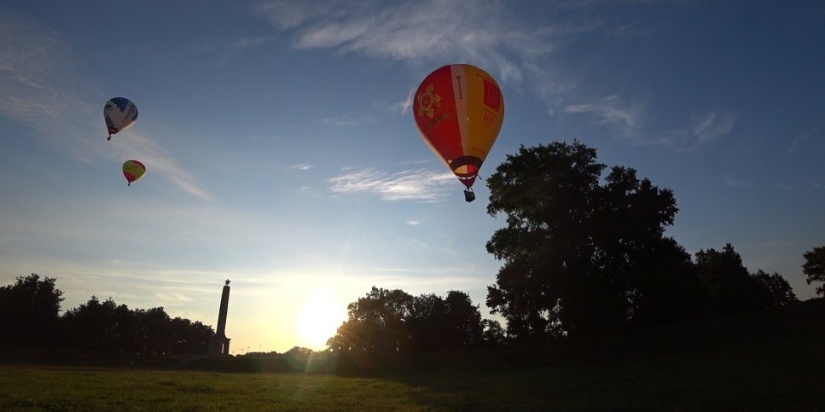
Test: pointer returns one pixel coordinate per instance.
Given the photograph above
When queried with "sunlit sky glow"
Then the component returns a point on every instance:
(282, 154)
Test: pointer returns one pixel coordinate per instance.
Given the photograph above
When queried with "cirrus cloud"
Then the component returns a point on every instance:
(419, 185)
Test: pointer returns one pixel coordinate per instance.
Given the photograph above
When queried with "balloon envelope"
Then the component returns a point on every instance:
(120, 114)
(458, 110)
(133, 170)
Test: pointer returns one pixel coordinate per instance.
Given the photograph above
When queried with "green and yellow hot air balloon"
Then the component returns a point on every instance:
(133, 170)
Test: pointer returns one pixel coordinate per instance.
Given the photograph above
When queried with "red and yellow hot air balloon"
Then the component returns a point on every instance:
(459, 109)
(133, 170)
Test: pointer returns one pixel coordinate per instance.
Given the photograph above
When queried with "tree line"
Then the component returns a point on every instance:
(390, 324)
(30, 317)
(586, 253)
(583, 254)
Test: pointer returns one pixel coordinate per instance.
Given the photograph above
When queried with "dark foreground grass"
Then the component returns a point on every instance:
(75, 389)
(692, 383)
(771, 362)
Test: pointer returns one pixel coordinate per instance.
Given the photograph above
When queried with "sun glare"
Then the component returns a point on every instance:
(318, 321)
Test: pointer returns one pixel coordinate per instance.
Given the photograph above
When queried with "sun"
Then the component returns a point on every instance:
(318, 321)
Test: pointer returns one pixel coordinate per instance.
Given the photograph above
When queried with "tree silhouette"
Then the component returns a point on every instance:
(154, 335)
(387, 326)
(105, 326)
(29, 311)
(778, 288)
(669, 289)
(731, 288)
(375, 326)
(188, 337)
(29, 315)
(93, 325)
(464, 326)
(814, 267)
(444, 324)
(581, 257)
(493, 335)
(427, 323)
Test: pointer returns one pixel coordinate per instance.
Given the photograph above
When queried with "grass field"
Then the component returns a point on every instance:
(774, 362)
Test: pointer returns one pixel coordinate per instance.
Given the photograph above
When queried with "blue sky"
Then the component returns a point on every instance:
(282, 154)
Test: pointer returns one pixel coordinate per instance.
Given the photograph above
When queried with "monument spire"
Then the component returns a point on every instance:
(219, 344)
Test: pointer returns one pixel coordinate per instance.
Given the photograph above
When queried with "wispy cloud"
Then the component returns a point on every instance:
(413, 222)
(798, 140)
(42, 89)
(712, 126)
(248, 42)
(701, 130)
(418, 185)
(398, 107)
(737, 182)
(172, 297)
(405, 105)
(784, 187)
(30, 58)
(228, 51)
(612, 110)
(346, 120)
(423, 33)
(416, 243)
(301, 166)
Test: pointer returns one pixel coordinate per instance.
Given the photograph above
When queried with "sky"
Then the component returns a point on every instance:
(282, 154)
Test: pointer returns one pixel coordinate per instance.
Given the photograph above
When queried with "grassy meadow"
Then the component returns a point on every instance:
(774, 361)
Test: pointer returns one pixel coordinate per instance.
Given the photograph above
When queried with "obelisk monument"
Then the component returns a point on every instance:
(219, 344)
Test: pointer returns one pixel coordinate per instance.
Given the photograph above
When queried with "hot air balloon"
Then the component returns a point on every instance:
(133, 170)
(120, 114)
(458, 110)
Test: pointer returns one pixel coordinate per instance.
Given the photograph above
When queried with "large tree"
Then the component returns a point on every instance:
(29, 310)
(189, 337)
(450, 323)
(375, 325)
(465, 328)
(93, 325)
(779, 290)
(814, 267)
(582, 254)
(493, 335)
(388, 325)
(730, 286)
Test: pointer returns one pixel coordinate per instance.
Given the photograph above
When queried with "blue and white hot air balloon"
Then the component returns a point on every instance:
(120, 114)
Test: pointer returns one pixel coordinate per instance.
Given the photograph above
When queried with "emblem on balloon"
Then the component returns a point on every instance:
(428, 101)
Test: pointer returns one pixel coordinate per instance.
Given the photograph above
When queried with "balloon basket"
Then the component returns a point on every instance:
(469, 196)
